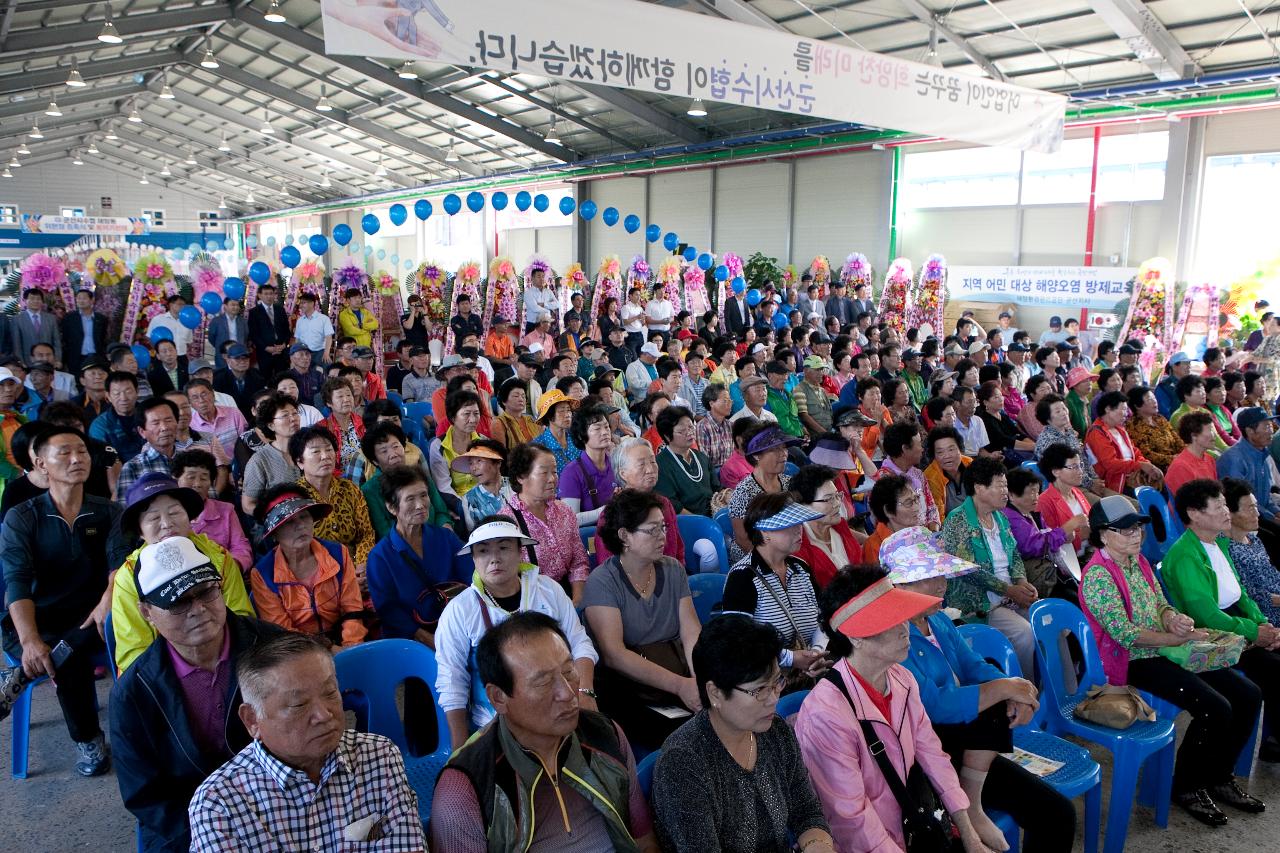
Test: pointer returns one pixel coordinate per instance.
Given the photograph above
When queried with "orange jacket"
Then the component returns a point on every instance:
(1111, 466)
(937, 480)
(312, 609)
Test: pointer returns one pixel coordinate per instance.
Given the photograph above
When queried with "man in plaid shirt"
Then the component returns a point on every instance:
(305, 783)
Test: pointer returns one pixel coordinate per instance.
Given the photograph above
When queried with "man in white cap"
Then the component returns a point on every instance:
(641, 372)
(171, 711)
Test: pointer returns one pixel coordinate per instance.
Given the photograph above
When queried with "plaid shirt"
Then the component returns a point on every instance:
(254, 802)
(120, 433)
(715, 439)
(147, 461)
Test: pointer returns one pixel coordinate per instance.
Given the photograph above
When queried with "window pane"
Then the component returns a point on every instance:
(1061, 178)
(969, 177)
(1131, 166)
(1237, 226)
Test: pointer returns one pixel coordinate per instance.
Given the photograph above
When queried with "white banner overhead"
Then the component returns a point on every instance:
(634, 45)
(1068, 287)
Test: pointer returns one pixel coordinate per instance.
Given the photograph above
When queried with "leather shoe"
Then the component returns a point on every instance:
(1233, 795)
(1200, 806)
(1269, 751)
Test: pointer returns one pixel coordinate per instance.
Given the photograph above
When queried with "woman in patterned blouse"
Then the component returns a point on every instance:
(555, 412)
(559, 554)
(1150, 431)
(1261, 579)
(312, 449)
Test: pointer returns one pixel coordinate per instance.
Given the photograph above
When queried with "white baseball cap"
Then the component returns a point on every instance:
(170, 568)
(496, 530)
(651, 349)
(6, 375)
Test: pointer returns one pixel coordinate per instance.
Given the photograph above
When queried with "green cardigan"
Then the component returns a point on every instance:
(1193, 588)
(962, 536)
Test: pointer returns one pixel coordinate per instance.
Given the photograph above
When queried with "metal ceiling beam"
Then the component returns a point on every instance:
(284, 95)
(71, 99)
(22, 81)
(736, 10)
(1152, 44)
(129, 26)
(239, 119)
(76, 130)
(21, 131)
(441, 100)
(532, 98)
(930, 17)
(641, 111)
(202, 143)
(130, 168)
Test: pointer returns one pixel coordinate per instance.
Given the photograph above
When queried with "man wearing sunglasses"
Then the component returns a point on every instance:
(173, 711)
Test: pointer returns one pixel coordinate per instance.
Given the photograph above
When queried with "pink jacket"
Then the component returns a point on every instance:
(219, 522)
(862, 811)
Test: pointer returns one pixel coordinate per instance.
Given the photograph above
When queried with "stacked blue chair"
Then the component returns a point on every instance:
(417, 411)
(588, 536)
(789, 705)
(1130, 747)
(695, 527)
(644, 772)
(1163, 528)
(1034, 467)
(708, 591)
(369, 675)
(398, 400)
(1079, 774)
(726, 523)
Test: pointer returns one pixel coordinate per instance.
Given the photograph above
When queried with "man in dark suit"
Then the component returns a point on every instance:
(167, 371)
(229, 324)
(34, 325)
(84, 332)
(737, 316)
(269, 332)
(239, 379)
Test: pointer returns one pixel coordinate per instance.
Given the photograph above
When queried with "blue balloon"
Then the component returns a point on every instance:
(475, 201)
(397, 213)
(194, 248)
(395, 259)
(251, 241)
(690, 253)
(753, 297)
(271, 241)
(670, 240)
(141, 355)
(422, 209)
(290, 256)
(738, 284)
(319, 244)
(541, 203)
(382, 253)
(523, 200)
(652, 233)
(567, 205)
(499, 200)
(259, 272)
(369, 224)
(368, 250)
(211, 302)
(302, 240)
(610, 216)
(288, 240)
(452, 204)
(354, 248)
(342, 234)
(588, 210)
(722, 273)
(233, 288)
(631, 223)
(213, 245)
(178, 254)
(704, 261)
(408, 265)
(190, 316)
(161, 333)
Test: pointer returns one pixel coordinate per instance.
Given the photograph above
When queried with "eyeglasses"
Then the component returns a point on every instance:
(828, 499)
(659, 529)
(204, 596)
(763, 693)
(1075, 467)
(1130, 532)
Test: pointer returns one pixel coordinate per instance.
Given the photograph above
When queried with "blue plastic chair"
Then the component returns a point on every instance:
(1034, 467)
(789, 705)
(109, 636)
(644, 772)
(417, 411)
(369, 675)
(726, 523)
(397, 399)
(791, 469)
(708, 591)
(1164, 527)
(21, 715)
(1130, 747)
(695, 527)
(1079, 774)
(588, 537)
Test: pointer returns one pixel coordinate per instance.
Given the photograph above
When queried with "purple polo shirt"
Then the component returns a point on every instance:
(581, 476)
(204, 695)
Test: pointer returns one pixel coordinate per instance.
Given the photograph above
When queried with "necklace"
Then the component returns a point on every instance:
(697, 478)
(643, 589)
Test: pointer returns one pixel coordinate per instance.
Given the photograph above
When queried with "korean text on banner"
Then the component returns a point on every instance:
(634, 45)
(36, 223)
(1068, 287)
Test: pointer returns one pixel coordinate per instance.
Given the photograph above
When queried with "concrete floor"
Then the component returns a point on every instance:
(55, 811)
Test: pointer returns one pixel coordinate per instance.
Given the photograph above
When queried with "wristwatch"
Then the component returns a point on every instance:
(588, 692)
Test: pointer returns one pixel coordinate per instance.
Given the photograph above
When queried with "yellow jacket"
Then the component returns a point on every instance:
(361, 328)
(937, 480)
(134, 633)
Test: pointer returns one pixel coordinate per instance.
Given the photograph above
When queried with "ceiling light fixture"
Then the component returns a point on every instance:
(77, 161)
(406, 71)
(223, 146)
(144, 180)
(135, 117)
(325, 182)
(93, 148)
(108, 34)
(166, 93)
(52, 109)
(14, 164)
(111, 133)
(931, 56)
(35, 131)
(209, 60)
(191, 158)
(222, 203)
(267, 129)
(697, 109)
(451, 156)
(381, 171)
(552, 137)
(23, 149)
(6, 174)
(164, 171)
(74, 80)
(273, 13)
(248, 199)
(324, 105)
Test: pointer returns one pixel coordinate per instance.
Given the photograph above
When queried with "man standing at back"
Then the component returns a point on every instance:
(269, 332)
(34, 325)
(229, 324)
(84, 332)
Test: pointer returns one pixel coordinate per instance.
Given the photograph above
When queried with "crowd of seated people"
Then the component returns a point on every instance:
(234, 527)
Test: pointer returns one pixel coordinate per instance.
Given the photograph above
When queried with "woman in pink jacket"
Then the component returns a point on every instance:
(865, 619)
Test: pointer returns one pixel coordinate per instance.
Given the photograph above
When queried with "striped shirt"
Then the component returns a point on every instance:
(752, 587)
(256, 802)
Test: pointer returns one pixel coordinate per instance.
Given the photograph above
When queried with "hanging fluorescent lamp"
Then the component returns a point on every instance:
(135, 117)
(6, 174)
(52, 109)
(77, 161)
(273, 13)
(209, 60)
(93, 148)
(35, 131)
(222, 203)
(697, 109)
(111, 133)
(164, 171)
(552, 137)
(381, 171)
(248, 199)
(451, 156)
(14, 164)
(323, 105)
(223, 146)
(406, 72)
(267, 129)
(108, 34)
(74, 80)
(325, 182)
(166, 93)
(191, 158)
(23, 149)
(144, 180)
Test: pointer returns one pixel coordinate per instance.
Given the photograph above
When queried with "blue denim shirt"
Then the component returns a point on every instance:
(1246, 462)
